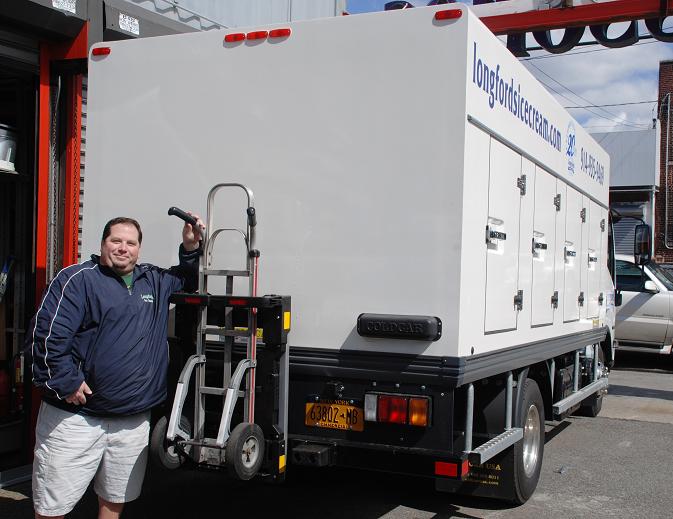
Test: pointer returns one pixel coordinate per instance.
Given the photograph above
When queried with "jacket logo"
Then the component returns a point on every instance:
(147, 298)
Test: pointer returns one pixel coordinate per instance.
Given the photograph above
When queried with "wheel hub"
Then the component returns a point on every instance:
(531, 440)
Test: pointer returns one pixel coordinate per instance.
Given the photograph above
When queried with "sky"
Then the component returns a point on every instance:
(592, 76)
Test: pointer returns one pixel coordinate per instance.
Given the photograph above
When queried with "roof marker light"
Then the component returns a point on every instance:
(450, 14)
(257, 35)
(234, 37)
(280, 33)
(100, 51)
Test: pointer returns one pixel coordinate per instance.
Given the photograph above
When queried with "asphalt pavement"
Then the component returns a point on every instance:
(615, 465)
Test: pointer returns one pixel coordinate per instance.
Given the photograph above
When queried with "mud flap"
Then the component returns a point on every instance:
(492, 479)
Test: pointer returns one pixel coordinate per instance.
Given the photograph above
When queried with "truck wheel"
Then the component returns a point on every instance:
(528, 452)
(164, 453)
(592, 405)
(244, 452)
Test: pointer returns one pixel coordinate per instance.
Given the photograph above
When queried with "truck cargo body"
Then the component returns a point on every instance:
(438, 219)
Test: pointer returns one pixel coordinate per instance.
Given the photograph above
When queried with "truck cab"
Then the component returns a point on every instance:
(645, 317)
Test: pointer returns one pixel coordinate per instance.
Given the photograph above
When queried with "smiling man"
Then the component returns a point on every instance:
(99, 354)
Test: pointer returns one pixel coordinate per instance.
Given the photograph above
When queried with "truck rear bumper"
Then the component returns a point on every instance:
(307, 451)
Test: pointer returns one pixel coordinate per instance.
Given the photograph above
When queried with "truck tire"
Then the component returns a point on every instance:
(244, 452)
(526, 461)
(593, 405)
(163, 453)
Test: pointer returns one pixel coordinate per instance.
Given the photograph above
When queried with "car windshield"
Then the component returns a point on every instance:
(664, 275)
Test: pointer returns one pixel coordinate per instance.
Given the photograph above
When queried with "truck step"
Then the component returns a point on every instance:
(495, 445)
(575, 398)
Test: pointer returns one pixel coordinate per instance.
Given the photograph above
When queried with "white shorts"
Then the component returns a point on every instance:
(72, 449)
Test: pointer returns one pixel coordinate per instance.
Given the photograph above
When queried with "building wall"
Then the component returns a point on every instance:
(633, 157)
(241, 13)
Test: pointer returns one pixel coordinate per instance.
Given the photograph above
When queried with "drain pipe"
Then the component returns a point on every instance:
(667, 243)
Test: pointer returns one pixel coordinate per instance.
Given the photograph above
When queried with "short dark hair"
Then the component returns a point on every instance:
(124, 220)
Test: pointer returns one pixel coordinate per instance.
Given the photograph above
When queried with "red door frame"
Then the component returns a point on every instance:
(49, 52)
(76, 49)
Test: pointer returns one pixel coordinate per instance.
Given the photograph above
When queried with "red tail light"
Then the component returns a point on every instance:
(101, 51)
(392, 409)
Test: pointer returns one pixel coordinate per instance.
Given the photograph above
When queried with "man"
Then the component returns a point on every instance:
(100, 355)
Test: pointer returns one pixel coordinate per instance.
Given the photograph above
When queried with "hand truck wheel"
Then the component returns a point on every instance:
(244, 452)
(163, 453)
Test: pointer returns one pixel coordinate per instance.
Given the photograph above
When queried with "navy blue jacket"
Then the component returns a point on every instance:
(90, 327)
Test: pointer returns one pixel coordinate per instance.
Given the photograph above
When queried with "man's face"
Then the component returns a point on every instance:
(120, 249)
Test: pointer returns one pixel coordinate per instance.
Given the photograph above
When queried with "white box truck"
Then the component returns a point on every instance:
(440, 222)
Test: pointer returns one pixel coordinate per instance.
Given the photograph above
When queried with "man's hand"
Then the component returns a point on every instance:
(191, 235)
(79, 396)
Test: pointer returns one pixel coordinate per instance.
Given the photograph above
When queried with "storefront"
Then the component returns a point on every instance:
(43, 51)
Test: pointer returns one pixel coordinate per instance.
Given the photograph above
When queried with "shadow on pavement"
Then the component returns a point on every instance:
(636, 361)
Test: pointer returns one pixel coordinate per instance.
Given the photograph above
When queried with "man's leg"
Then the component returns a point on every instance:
(120, 476)
(107, 510)
(68, 451)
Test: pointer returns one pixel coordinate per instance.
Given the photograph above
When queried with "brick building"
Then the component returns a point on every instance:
(663, 229)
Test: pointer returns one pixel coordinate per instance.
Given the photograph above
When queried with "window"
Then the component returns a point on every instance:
(629, 277)
(661, 274)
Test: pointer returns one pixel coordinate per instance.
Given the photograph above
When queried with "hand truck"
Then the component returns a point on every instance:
(248, 328)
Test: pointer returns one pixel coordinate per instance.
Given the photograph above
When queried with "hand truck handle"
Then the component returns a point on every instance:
(252, 216)
(176, 211)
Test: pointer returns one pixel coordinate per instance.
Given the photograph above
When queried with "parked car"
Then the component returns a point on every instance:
(645, 318)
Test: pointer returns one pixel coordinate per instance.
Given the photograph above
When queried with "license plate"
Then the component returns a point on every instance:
(335, 414)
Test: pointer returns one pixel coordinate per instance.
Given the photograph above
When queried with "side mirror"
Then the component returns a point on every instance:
(618, 299)
(651, 287)
(642, 245)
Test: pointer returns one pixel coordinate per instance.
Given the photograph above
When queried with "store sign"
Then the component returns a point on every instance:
(129, 24)
(65, 5)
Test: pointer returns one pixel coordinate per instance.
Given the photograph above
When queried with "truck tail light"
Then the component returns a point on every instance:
(398, 409)
(392, 409)
(418, 411)
(370, 407)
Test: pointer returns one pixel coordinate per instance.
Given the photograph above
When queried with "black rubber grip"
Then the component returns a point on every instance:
(252, 217)
(176, 211)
